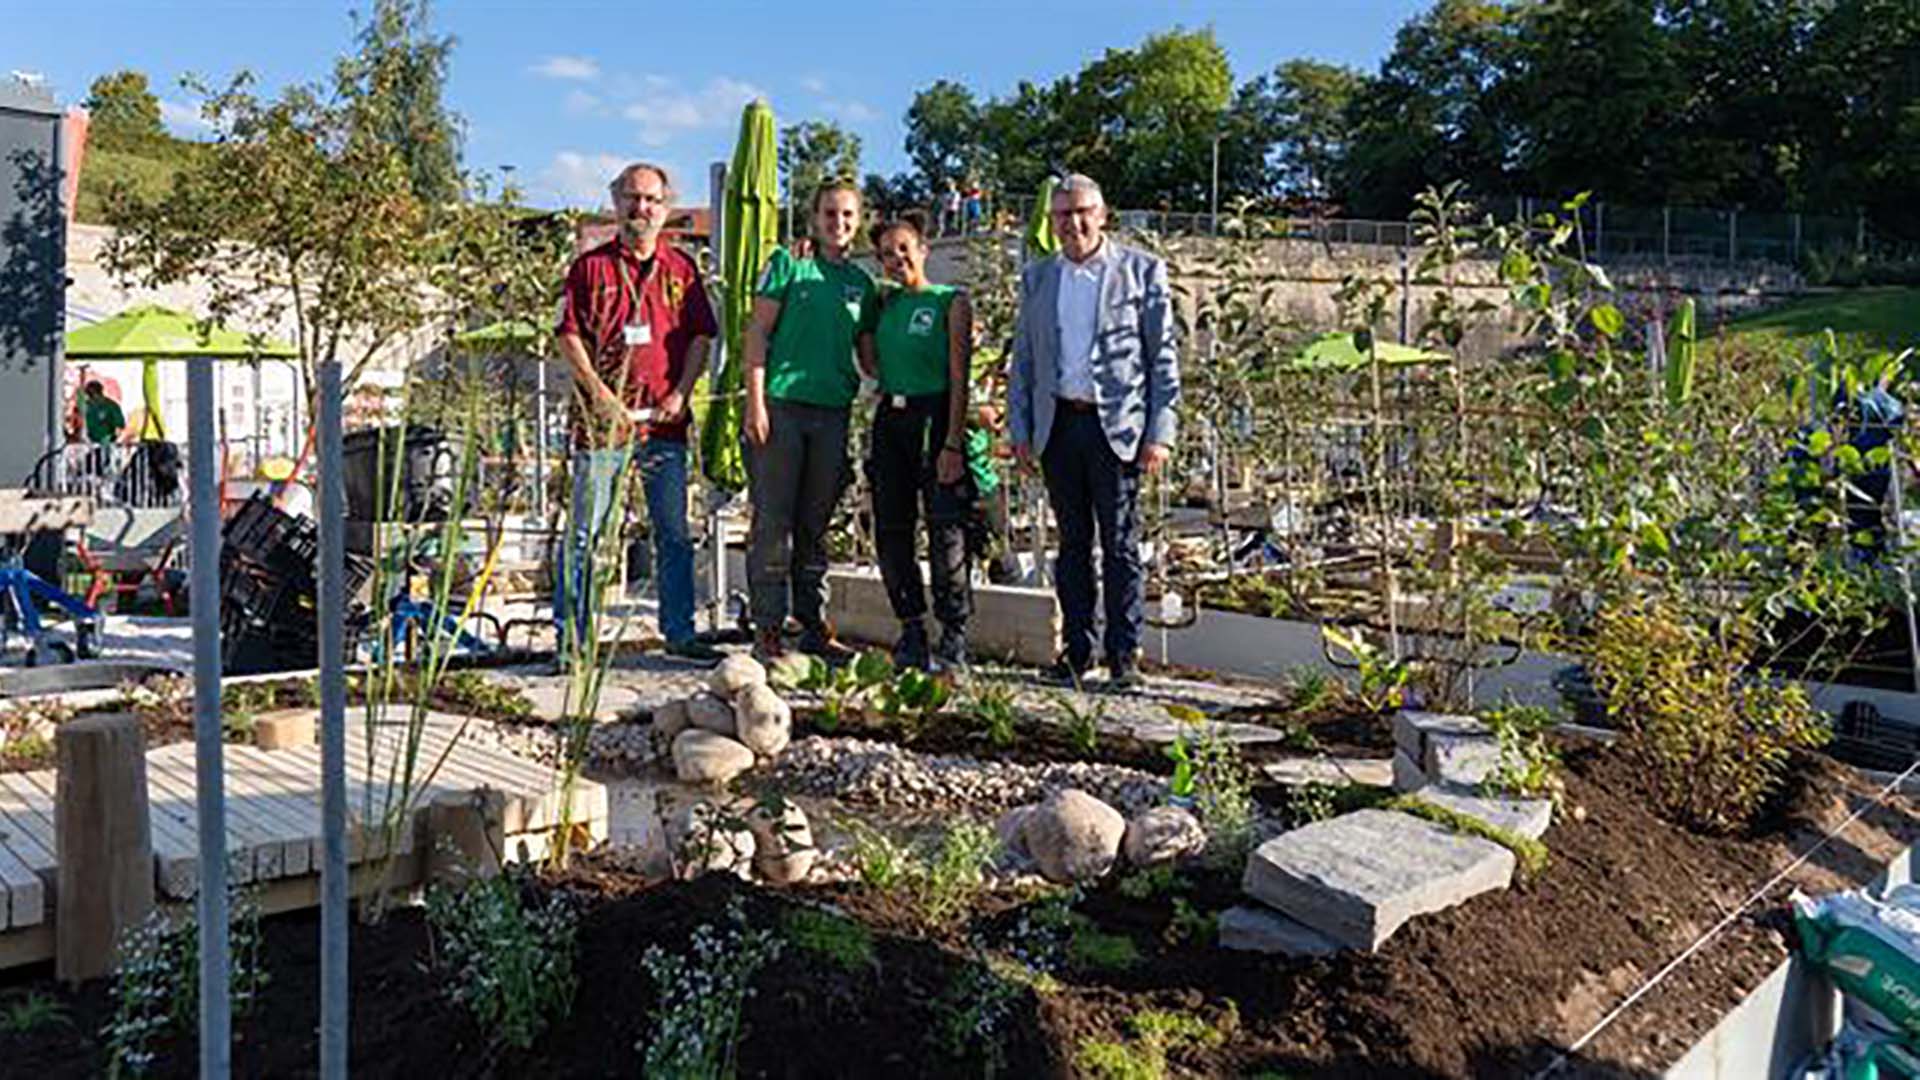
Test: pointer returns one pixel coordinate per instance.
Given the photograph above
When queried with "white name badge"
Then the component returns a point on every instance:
(638, 334)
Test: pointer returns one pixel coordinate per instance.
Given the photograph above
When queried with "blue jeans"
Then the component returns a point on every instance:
(663, 476)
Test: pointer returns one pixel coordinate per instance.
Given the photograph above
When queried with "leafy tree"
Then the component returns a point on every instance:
(403, 68)
(813, 152)
(943, 134)
(1143, 121)
(886, 198)
(126, 114)
(1310, 102)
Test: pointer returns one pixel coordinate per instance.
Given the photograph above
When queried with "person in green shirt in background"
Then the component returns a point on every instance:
(923, 346)
(809, 317)
(104, 419)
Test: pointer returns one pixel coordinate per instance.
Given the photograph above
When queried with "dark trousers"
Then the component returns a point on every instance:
(794, 482)
(902, 467)
(1091, 491)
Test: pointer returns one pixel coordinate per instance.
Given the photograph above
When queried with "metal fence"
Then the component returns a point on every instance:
(142, 476)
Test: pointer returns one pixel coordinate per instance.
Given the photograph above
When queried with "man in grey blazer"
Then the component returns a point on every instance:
(1091, 396)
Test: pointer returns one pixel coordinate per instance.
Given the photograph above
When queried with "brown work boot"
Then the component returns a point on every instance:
(818, 640)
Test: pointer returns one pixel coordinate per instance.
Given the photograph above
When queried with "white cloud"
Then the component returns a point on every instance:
(814, 84)
(853, 112)
(184, 119)
(567, 67)
(580, 102)
(666, 110)
(578, 180)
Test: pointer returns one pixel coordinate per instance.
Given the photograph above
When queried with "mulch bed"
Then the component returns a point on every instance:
(1485, 989)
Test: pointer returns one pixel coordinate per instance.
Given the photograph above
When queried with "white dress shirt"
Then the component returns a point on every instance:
(1079, 315)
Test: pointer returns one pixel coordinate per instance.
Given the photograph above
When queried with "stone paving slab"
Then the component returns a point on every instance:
(1359, 877)
(1413, 730)
(1460, 761)
(1528, 817)
(1370, 772)
(1257, 928)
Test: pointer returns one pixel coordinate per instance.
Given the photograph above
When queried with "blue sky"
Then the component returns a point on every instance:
(565, 92)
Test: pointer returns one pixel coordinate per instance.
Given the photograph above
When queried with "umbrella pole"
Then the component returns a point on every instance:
(716, 529)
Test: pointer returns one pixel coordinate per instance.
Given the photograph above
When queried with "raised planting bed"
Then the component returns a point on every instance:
(1124, 970)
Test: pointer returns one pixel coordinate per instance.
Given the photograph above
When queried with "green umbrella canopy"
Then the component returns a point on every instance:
(504, 336)
(1040, 238)
(749, 233)
(1335, 352)
(153, 332)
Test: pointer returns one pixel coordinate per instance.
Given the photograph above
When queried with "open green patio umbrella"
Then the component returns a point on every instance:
(151, 333)
(507, 335)
(1040, 238)
(1335, 352)
(749, 233)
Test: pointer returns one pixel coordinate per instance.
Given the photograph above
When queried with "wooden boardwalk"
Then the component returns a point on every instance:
(273, 813)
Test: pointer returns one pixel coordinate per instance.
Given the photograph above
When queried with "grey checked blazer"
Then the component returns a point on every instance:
(1136, 368)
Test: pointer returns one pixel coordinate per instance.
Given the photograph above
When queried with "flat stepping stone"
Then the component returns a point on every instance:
(1359, 877)
(1256, 928)
(1456, 750)
(1164, 732)
(1371, 772)
(1528, 817)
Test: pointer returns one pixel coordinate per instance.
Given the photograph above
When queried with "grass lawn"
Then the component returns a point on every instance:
(1885, 316)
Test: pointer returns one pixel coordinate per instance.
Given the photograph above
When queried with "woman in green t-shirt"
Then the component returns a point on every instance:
(809, 315)
(923, 348)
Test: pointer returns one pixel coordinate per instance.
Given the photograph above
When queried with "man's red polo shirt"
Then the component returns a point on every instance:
(604, 288)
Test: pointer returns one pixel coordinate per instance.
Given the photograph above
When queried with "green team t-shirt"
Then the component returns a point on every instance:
(911, 339)
(824, 306)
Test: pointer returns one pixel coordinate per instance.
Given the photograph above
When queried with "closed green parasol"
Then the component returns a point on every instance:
(1040, 238)
(748, 236)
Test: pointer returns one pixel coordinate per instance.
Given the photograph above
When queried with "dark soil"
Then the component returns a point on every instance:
(1487, 989)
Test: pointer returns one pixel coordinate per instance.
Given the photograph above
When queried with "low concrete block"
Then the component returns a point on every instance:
(285, 729)
(1253, 928)
(1359, 877)
(1461, 761)
(1413, 729)
(1528, 817)
(1371, 772)
(1009, 622)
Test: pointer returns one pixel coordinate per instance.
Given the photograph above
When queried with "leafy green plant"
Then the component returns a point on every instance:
(156, 988)
(1312, 801)
(990, 703)
(1224, 799)
(508, 964)
(1189, 923)
(1381, 677)
(1080, 719)
(881, 862)
(1150, 882)
(847, 687)
(1714, 739)
(1183, 782)
(1155, 1033)
(971, 1015)
(1093, 949)
(834, 937)
(29, 1012)
(912, 697)
(1310, 689)
(1529, 767)
(949, 880)
(695, 1026)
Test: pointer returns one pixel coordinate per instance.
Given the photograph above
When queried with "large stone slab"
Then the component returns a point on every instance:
(1253, 928)
(1528, 817)
(1460, 761)
(1359, 877)
(1406, 773)
(1412, 729)
(1370, 772)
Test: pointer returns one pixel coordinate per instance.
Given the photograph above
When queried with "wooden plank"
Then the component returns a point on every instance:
(294, 814)
(24, 832)
(176, 851)
(26, 895)
(460, 770)
(181, 800)
(300, 767)
(172, 768)
(301, 783)
(517, 775)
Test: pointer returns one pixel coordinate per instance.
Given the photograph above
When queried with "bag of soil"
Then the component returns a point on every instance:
(1859, 1053)
(1870, 948)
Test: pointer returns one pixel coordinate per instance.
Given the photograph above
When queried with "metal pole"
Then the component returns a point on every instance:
(716, 526)
(216, 1022)
(333, 730)
(1213, 226)
(1906, 566)
(1666, 234)
(540, 442)
(1733, 236)
(1599, 230)
(57, 272)
(1796, 238)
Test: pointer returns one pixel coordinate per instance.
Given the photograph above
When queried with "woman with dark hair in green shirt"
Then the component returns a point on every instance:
(923, 348)
(809, 315)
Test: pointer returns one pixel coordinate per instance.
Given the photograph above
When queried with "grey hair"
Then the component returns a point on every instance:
(666, 182)
(1079, 182)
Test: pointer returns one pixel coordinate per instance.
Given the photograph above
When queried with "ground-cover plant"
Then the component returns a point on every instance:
(1080, 716)
(1714, 737)
(476, 693)
(990, 704)
(1189, 923)
(695, 1028)
(508, 962)
(955, 871)
(27, 729)
(971, 1014)
(26, 1013)
(847, 687)
(911, 698)
(1529, 767)
(881, 862)
(1312, 801)
(156, 987)
(1093, 949)
(1530, 854)
(844, 942)
(1224, 798)
(1155, 1033)
(1144, 884)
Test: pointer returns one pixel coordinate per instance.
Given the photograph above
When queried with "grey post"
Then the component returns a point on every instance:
(333, 731)
(1666, 234)
(216, 1023)
(716, 524)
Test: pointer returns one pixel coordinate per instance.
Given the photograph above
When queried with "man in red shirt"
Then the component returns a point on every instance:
(635, 327)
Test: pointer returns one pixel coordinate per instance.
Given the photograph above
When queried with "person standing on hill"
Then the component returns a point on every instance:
(923, 348)
(635, 327)
(1091, 396)
(809, 316)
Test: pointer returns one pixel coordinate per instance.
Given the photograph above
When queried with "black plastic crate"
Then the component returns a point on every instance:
(1864, 738)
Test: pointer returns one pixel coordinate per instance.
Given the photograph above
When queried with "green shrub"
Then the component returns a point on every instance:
(1529, 767)
(1093, 949)
(841, 940)
(510, 966)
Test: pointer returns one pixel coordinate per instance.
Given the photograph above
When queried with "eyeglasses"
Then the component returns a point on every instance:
(645, 198)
